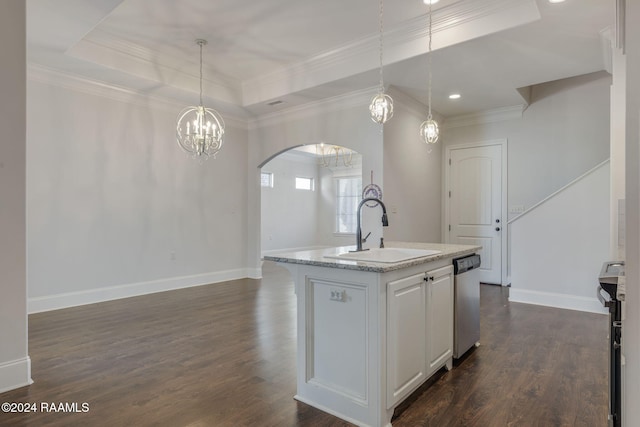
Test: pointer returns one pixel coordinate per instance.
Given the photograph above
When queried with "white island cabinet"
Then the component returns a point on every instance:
(370, 333)
(419, 330)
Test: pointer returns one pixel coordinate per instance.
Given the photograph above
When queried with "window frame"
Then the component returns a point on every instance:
(338, 195)
(311, 181)
(270, 179)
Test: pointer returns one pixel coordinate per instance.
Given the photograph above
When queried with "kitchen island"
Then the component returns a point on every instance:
(372, 326)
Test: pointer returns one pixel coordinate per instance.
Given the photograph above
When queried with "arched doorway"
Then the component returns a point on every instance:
(308, 197)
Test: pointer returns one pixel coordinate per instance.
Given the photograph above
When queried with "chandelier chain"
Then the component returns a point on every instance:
(201, 43)
(381, 22)
(429, 117)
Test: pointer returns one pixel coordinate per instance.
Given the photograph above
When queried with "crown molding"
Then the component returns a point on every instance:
(82, 84)
(456, 23)
(488, 116)
(75, 82)
(111, 51)
(340, 102)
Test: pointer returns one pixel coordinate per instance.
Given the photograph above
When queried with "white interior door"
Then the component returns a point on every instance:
(475, 205)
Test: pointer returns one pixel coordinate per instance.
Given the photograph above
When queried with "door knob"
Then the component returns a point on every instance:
(497, 228)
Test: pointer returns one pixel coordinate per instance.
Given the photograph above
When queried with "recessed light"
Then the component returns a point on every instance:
(454, 96)
(556, 1)
(430, 1)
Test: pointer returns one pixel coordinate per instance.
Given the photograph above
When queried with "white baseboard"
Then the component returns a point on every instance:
(549, 299)
(254, 273)
(15, 374)
(72, 299)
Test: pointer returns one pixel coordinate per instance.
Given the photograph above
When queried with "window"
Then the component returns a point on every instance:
(304, 183)
(348, 195)
(266, 179)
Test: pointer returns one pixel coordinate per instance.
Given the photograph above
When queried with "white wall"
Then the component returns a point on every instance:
(15, 365)
(297, 219)
(341, 121)
(562, 134)
(631, 322)
(290, 216)
(559, 246)
(412, 176)
(116, 209)
(618, 88)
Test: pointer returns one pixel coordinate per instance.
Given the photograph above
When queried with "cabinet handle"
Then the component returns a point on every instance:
(427, 278)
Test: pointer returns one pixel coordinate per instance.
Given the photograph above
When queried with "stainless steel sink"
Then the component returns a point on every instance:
(385, 255)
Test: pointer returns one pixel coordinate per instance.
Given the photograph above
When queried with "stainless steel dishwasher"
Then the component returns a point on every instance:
(466, 304)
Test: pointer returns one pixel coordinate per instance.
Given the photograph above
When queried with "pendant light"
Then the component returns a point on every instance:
(429, 131)
(200, 130)
(381, 106)
(334, 154)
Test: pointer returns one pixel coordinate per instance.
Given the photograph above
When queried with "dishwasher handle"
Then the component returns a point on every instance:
(464, 264)
(607, 302)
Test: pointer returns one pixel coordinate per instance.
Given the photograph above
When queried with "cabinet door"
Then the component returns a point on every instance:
(439, 317)
(406, 334)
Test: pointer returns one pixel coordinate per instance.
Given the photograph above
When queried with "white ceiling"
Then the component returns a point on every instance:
(298, 51)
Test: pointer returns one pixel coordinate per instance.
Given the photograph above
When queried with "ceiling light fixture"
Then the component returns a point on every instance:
(200, 130)
(326, 155)
(430, 2)
(454, 96)
(381, 106)
(429, 131)
(556, 1)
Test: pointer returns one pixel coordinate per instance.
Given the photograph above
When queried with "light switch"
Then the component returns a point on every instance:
(516, 209)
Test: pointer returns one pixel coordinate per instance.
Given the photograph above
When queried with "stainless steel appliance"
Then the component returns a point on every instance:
(466, 304)
(611, 294)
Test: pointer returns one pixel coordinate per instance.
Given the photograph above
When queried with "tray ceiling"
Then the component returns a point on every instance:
(298, 51)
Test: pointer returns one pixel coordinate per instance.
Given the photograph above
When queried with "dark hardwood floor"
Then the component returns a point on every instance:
(224, 355)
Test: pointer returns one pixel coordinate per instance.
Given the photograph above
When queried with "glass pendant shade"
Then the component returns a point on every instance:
(200, 131)
(429, 131)
(381, 108)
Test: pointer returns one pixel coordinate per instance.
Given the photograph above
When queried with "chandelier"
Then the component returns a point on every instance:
(429, 131)
(333, 155)
(381, 106)
(200, 130)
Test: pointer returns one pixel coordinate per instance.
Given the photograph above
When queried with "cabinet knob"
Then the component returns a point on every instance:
(497, 228)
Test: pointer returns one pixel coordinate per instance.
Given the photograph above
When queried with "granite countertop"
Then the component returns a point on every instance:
(317, 257)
